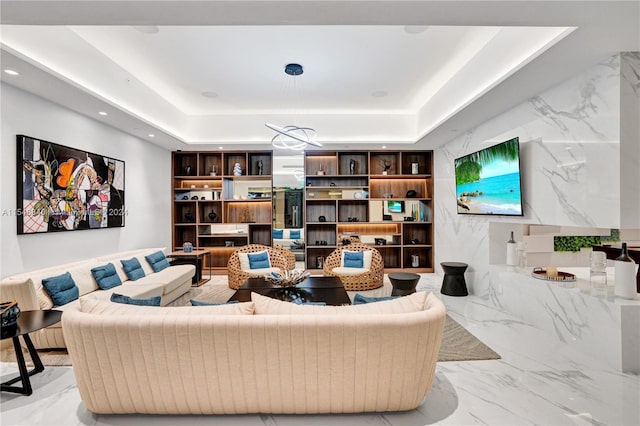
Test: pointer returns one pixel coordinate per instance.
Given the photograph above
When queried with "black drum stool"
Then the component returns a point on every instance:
(453, 283)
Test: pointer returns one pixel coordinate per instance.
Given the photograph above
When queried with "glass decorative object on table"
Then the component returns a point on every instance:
(598, 273)
(522, 254)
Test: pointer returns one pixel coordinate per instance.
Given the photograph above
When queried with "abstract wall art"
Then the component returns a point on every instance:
(66, 189)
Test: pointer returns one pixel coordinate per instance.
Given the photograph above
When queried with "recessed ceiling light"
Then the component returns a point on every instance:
(379, 94)
(210, 94)
(415, 29)
(219, 147)
(151, 135)
(384, 147)
(146, 29)
(102, 113)
(11, 72)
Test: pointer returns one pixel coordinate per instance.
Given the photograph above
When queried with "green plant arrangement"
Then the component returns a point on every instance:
(575, 243)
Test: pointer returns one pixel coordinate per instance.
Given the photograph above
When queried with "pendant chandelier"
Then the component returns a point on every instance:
(293, 137)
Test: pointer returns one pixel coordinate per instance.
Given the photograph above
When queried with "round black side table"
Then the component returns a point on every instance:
(403, 283)
(29, 321)
(453, 283)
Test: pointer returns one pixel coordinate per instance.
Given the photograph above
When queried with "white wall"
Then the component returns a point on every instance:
(147, 185)
(570, 166)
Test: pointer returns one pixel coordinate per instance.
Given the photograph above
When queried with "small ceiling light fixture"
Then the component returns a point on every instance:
(415, 29)
(151, 135)
(219, 147)
(11, 72)
(384, 147)
(292, 136)
(147, 29)
(102, 113)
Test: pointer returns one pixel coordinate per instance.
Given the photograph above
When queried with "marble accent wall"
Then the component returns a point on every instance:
(630, 140)
(570, 166)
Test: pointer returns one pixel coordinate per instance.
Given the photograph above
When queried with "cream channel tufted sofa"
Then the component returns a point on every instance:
(264, 356)
(27, 289)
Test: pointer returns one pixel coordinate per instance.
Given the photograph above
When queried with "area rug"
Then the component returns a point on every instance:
(458, 344)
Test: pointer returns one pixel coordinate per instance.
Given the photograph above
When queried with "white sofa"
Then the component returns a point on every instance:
(264, 356)
(26, 288)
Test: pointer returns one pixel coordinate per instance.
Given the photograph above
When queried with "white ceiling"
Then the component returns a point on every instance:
(404, 80)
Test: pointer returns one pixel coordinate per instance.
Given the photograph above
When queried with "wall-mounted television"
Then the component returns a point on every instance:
(395, 206)
(488, 181)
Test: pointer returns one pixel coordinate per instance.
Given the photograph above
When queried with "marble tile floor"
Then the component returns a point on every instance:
(539, 380)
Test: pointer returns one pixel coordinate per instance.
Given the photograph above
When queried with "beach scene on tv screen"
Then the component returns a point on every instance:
(488, 181)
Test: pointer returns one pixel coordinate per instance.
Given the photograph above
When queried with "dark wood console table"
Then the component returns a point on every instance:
(613, 252)
(195, 258)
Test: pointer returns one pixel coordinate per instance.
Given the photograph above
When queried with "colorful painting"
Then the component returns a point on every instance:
(67, 189)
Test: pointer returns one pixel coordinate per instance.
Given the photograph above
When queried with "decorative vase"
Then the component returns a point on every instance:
(625, 278)
(212, 216)
(259, 166)
(187, 170)
(414, 168)
(386, 164)
(237, 171)
(352, 167)
(188, 216)
(9, 313)
(187, 247)
(512, 251)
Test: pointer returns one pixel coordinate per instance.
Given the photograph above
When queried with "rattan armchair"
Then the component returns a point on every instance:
(237, 277)
(288, 255)
(365, 281)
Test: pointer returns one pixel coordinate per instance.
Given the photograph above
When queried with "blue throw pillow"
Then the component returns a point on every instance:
(353, 259)
(195, 302)
(259, 260)
(360, 299)
(61, 288)
(278, 233)
(294, 235)
(157, 261)
(106, 276)
(151, 301)
(132, 268)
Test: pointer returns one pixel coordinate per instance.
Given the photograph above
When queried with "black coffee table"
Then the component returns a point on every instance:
(28, 322)
(314, 289)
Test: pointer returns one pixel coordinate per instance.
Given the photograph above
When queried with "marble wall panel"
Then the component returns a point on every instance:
(630, 140)
(570, 162)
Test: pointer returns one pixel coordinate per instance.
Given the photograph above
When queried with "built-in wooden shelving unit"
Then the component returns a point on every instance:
(217, 210)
